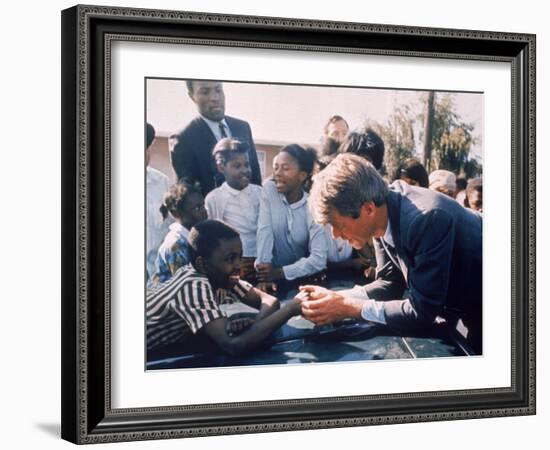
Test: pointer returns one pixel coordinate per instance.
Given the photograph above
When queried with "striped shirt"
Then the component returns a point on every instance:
(184, 304)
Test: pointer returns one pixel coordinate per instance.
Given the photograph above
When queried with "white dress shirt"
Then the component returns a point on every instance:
(238, 209)
(372, 310)
(156, 228)
(387, 240)
(215, 127)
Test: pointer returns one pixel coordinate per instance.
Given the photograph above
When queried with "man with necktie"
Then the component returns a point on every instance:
(428, 252)
(191, 150)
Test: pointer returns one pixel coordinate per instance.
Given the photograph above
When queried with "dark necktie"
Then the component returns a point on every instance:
(222, 130)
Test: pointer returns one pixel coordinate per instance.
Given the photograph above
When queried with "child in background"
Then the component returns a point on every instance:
(184, 313)
(368, 144)
(412, 172)
(157, 185)
(474, 195)
(185, 204)
(292, 248)
(236, 202)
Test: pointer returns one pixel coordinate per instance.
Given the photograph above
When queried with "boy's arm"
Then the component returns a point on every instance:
(253, 336)
(262, 301)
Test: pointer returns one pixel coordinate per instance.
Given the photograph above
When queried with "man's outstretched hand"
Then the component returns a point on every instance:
(325, 306)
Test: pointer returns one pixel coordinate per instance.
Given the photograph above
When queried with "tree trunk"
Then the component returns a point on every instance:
(427, 153)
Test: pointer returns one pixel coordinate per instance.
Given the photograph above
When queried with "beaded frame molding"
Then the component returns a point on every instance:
(87, 35)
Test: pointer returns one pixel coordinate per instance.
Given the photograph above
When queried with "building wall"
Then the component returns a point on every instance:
(160, 157)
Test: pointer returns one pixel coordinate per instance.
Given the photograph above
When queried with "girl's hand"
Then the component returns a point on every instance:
(267, 273)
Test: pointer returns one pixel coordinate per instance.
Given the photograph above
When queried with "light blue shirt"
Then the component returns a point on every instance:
(287, 235)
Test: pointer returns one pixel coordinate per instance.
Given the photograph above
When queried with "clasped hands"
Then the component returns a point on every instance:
(315, 303)
(322, 306)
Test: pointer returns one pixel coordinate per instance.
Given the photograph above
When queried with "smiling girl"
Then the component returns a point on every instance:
(236, 202)
(291, 246)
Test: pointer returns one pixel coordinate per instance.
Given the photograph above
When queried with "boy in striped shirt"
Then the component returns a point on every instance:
(184, 312)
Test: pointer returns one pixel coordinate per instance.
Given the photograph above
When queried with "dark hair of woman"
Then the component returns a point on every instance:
(413, 169)
(368, 145)
(306, 157)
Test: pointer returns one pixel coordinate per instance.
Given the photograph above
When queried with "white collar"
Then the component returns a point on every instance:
(388, 238)
(297, 204)
(214, 123)
(180, 229)
(232, 191)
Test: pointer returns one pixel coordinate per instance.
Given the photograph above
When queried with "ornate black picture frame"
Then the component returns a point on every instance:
(87, 35)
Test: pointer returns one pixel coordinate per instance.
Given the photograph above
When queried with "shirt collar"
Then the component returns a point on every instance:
(215, 125)
(232, 191)
(180, 229)
(297, 204)
(388, 238)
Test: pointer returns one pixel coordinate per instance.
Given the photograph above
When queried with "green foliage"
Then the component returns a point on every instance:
(398, 136)
(451, 140)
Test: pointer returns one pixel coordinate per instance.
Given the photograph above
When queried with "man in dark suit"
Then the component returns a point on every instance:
(428, 252)
(191, 153)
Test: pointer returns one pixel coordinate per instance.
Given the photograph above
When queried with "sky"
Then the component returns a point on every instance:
(297, 113)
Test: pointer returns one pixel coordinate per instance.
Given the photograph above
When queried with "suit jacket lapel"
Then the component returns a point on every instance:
(208, 141)
(235, 128)
(394, 215)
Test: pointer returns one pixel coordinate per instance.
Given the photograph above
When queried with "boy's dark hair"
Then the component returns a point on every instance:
(226, 148)
(150, 130)
(368, 145)
(413, 169)
(204, 238)
(175, 197)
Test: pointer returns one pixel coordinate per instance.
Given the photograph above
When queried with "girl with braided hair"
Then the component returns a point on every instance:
(185, 203)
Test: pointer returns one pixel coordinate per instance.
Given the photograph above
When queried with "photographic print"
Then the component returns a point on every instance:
(297, 224)
(261, 216)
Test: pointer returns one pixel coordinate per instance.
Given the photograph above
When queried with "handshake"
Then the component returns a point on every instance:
(322, 306)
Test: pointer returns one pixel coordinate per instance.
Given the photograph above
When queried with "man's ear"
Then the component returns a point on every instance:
(368, 208)
(200, 264)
